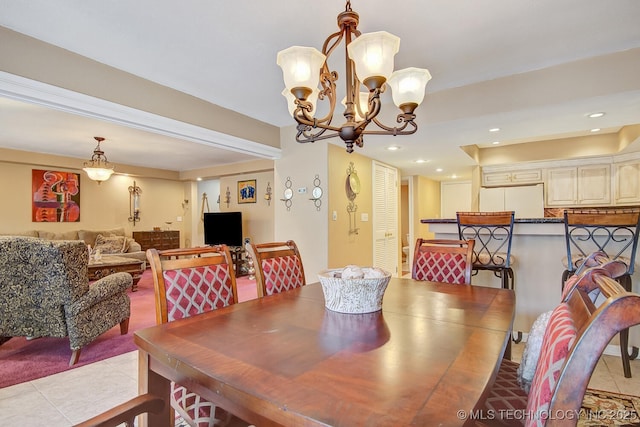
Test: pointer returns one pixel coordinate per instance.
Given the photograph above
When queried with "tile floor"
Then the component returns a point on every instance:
(70, 397)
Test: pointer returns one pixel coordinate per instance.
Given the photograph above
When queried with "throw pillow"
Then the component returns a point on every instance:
(110, 244)
(89, 236)
(531, 351)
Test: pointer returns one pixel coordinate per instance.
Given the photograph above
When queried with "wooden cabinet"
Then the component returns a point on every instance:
(579, 186)
(627, 183)
(159, 240)
(517, 177)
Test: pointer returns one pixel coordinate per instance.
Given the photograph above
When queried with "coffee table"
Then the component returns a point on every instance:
(110, 264)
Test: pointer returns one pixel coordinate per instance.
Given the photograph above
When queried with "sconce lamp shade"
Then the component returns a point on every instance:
(408, 85)
(300, 68)
(98, 174)
(291, 104)
(373, 55)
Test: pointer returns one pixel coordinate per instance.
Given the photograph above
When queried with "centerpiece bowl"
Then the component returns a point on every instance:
(354, 295)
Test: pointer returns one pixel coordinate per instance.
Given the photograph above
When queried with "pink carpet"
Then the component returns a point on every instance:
(22, 360)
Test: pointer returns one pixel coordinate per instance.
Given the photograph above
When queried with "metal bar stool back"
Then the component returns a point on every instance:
(492, 232)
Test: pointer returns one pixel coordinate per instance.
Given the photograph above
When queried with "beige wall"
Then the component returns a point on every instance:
(302, 222)
(101, 206)
(349, 248)
(426, 197)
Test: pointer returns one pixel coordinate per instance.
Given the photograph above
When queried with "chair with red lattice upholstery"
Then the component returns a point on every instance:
(441, 260)
(278, 267)
(574, 340)
(189, 282)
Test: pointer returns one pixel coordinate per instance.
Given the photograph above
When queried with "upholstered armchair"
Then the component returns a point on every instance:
(45, 292)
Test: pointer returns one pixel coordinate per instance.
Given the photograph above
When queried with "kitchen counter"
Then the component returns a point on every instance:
(538, 247)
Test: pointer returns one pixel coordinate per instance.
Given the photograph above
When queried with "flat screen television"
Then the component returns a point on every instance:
(223, 228)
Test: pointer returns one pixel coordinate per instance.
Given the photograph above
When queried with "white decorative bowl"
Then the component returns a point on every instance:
(353, 296)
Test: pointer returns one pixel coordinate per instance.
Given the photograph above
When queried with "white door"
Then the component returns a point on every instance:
(385, 218)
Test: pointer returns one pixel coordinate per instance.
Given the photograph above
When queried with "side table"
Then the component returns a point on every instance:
(110, 264)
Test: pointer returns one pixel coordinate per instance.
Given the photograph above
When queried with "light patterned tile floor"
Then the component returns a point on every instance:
(70, 397)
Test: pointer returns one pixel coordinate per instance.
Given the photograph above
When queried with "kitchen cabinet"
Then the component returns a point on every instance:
(627, 183)
(579, 186)
(517, 177)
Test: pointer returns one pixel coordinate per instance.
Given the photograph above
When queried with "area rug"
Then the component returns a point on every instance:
(603, 408)
(24, 360)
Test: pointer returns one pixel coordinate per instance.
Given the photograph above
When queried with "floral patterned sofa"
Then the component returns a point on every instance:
(44, 291)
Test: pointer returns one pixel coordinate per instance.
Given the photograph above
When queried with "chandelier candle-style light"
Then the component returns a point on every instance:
(369, 63)
(98, 169)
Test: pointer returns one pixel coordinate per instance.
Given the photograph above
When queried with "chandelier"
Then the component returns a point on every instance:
(369, 64)
(98, 169)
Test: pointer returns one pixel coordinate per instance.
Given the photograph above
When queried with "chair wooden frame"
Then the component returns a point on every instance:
(595, 326)
(612, 232)
(455, 248)
(126, 412)
(175, 259)
(263, 251)
(493, 234)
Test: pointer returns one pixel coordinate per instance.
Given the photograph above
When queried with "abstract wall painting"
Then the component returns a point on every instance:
(55, 196)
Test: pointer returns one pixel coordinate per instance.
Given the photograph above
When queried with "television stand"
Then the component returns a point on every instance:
(238, 256)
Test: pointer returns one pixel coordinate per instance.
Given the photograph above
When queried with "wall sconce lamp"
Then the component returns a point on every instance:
(267, 195)
(134, 203)
(227, 197)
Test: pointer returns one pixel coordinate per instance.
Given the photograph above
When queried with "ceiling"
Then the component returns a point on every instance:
(495, 63)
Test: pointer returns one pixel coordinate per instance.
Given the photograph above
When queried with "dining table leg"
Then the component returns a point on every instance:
(154, 383)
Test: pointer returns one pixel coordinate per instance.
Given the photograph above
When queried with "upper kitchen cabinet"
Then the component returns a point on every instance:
(627, 183)
(494, 178)
(579, 186)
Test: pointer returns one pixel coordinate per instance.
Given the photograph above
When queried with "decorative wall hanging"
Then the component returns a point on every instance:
(316, 193)
(227, 197)
(268, 193)
(288, 193)
(247, 191)
(205, 205)
(55, 196)
(134, 203)
(352, 188)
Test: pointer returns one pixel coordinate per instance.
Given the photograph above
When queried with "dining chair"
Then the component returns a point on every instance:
(492, 232)
(613, 232)
(126, 412)
(278, 267)
(188, 282)
(575, 338)
(441, 260)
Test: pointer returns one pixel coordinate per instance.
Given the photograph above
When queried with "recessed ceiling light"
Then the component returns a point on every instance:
(595, 130)
(439, 170)
(596, 115)
(494, 130)
(422, 161)
(454, 176)
(496, 142)
(393, 148)
(198, 179)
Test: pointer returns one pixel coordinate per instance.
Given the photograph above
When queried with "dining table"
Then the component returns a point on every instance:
(428, 358)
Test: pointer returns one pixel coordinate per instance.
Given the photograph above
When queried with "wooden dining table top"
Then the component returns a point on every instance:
(427, 358)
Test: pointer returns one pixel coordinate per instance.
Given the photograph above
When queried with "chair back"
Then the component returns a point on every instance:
(492, 232)
(575, 338)
(191, 281)
(447, 261)
(278, 267)
(611, 231)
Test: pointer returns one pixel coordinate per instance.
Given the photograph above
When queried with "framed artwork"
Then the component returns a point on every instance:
(55, 196)
(247, 191)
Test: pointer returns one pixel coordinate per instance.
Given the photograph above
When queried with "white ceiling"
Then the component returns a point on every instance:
(224, 52)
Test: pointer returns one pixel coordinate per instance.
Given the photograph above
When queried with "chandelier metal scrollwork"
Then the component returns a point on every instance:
(369, 63)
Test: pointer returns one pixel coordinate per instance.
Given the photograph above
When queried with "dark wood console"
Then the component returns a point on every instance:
(160, 240)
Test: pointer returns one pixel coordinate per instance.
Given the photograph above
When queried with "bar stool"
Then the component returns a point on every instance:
(613, 232)
(492, 232)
